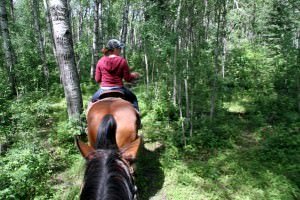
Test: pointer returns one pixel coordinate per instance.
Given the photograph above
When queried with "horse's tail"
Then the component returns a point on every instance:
(106, 136)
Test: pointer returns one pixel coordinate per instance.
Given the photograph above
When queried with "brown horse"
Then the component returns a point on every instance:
(113, 143)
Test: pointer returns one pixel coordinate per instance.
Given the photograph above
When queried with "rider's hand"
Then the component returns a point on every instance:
(136, 75)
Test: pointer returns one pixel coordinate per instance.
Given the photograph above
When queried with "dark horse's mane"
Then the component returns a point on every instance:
(107, 175)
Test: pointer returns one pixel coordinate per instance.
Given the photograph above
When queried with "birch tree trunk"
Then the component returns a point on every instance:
(175, 77)
(224, 52)
(83, 12)
(206, 15)
(187, 99)
(220, 35)
(131, 30)
(176, 22)
(181, 116)
(7, 48)
(41, 48)
(12, 10)
(80, 22)
(224, 39)
(101, 40)
(50, 28)
(298, 71)
(65, 54)
(147, 69)
(109, 18)
(216, 67)
(95, 48)
(125, 26)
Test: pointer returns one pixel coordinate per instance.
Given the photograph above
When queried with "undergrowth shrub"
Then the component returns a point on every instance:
(26, 173)
(33, 155)
(22, 117)
(64, 134)
(281, 144)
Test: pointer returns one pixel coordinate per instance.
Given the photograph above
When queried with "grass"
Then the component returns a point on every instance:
(240, 157)
(241, 169)
(228, 174)
(69, 181)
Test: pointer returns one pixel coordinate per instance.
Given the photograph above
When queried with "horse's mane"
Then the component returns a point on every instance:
(107, 175)
(108, 178)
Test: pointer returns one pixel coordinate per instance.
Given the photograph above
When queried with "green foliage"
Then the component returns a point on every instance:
(248, 150)
(281, 143)
(26, 173)
(30, 157)
(23, 116)
(64, 135)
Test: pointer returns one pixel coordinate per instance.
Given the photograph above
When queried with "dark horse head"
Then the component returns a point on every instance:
(108, 173)
(107, 177)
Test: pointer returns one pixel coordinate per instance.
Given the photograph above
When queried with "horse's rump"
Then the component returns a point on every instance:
(126, 127)
(124, 114)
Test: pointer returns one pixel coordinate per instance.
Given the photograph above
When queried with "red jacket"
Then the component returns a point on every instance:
(111, 70)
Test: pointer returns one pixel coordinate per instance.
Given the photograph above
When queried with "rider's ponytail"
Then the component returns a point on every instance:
(105, 51)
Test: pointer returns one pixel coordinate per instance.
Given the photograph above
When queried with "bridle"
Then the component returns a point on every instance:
(125, 165)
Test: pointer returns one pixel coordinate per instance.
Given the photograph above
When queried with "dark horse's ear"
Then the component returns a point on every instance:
(84, 148)
(130, 153)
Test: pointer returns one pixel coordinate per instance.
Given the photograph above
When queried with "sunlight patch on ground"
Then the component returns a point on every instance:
(234, 107)
(59, 104)
(228, 175)
(239, 104)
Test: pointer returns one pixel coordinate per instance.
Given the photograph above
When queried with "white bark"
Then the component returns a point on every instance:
(147, 70)
(298, 71)
(175, 76)
(224, 55)
(50, 27)
(41, 48)
(7, 48)
(12, 10)
(176, 23)
(216, 67)
(181, 116)
(95, 48)
(125, 25)
(65, 54)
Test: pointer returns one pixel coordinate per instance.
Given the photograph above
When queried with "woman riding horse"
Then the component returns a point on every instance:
(113, 143)
(110, 71)
(112, 126)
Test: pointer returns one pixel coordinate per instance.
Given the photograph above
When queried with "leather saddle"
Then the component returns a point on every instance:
(119, 94)
(112, 93)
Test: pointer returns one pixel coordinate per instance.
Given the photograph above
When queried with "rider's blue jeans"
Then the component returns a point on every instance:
(129, 96)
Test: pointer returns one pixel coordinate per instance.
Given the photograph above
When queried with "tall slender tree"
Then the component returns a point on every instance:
(12, 10)
(50, 27)
(65, 55)
(40, 39)
(220, 15)
(95, 47)
(7, 47)
(124, 25)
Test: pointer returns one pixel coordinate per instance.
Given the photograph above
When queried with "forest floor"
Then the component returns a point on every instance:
(236, 173)
(243, 155)
(252, 161)
(243, 164)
